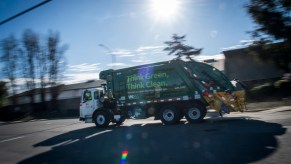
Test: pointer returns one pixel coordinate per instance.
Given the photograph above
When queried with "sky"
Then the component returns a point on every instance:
(105, 34)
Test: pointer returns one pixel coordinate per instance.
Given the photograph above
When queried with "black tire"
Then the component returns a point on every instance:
(101, 119)
(195, 113)
(169, 115)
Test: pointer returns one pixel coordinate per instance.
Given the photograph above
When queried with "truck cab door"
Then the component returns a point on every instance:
(97, 102)
(87, 104)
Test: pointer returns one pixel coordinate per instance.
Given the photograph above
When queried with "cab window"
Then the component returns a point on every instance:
(96, 95)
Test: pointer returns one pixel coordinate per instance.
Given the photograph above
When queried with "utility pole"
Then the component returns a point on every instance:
(110, 52)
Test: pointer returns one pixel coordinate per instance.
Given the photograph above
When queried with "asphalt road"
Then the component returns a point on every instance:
(250, 137)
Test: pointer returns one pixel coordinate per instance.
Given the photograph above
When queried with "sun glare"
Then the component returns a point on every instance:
(164, 9)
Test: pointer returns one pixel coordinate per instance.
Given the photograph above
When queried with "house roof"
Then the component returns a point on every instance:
(77, 86)
(84, 85)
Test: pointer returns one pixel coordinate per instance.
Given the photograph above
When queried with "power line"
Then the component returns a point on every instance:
(23, 12)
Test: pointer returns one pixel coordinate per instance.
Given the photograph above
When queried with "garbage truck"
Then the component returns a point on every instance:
(167, 91)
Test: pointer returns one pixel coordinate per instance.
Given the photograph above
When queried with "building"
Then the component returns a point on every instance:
(217, 63)
(67, 97)
(248, 67)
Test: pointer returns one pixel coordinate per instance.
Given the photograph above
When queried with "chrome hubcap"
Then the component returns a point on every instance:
(100, 119)
(168, 115)
(194, 113)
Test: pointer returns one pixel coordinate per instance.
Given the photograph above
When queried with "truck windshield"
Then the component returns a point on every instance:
(98, 94)
(208, 74)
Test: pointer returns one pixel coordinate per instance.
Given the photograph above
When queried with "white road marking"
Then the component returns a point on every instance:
(105, 131)
(10, 139)
(62, 143)
(72, 141)
(16, 121)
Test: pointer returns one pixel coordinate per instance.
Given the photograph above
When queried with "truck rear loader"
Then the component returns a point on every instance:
(166, 90)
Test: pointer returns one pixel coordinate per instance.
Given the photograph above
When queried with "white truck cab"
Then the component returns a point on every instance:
(91, 100)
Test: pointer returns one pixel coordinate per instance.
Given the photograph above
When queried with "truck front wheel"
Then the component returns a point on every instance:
(195, 113)
(101, 119)
(169, 115)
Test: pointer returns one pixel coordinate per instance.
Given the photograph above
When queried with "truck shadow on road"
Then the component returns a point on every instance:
(231, 140)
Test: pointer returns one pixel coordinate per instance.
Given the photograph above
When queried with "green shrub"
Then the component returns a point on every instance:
(283, 88)
(277, 90)
(262, 92)
(279, 83)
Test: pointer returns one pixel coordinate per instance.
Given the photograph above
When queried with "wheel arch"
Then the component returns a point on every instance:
(100, 109)
(195, 102)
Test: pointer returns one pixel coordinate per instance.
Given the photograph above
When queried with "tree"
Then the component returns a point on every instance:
(10, 59)
(272, 18)
(41, 65)
(178, 48)
(56, 58)
(56, 63)
(3, 92)
(42, 73)
(31, 50)
(273, 21)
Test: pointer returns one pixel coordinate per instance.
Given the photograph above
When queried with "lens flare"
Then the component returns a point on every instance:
(123, 157)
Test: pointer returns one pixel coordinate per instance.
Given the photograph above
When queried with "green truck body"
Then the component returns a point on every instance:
(165, 81)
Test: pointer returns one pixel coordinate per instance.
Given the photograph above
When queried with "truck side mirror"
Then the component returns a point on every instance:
(104, 86)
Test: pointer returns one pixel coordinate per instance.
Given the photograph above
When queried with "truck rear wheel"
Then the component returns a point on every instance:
(169, 115)
(101, 119)
(195, 113)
